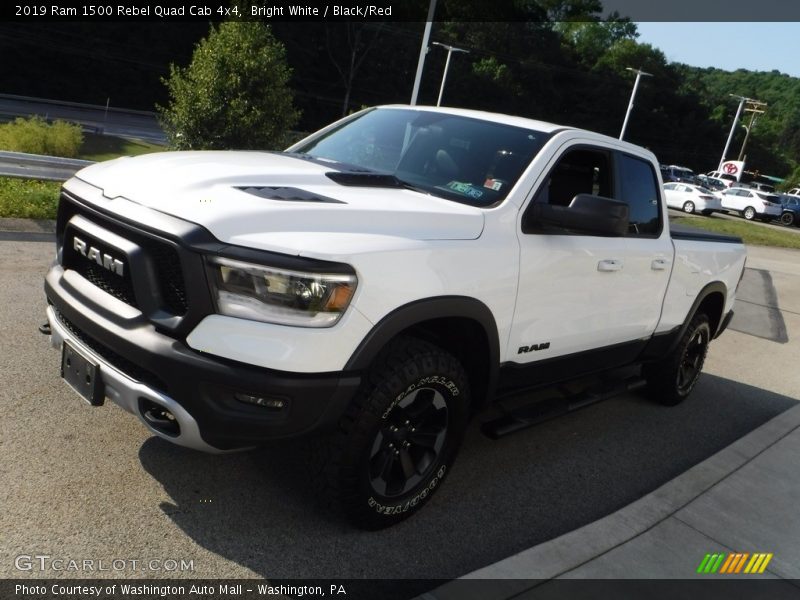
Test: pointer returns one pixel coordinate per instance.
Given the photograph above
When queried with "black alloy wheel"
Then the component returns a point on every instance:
(405, 449)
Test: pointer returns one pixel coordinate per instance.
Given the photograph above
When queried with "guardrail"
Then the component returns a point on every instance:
(37, 166)
(96, 107)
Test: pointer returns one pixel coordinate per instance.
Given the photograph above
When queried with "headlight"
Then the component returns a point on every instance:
(274, 295)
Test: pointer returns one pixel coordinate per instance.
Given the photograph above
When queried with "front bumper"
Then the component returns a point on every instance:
(140, 365)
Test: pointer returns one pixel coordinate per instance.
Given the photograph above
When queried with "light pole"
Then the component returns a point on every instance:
(423, 51)
(450, 50)
(754, 106)
(639, 74)
(742, 100)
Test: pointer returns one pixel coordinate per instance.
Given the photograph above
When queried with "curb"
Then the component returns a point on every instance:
(563, 554)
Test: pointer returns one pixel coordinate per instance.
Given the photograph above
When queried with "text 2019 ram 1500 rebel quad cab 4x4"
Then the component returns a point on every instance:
(374, 284)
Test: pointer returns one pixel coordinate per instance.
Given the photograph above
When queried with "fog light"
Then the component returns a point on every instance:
(265, 401)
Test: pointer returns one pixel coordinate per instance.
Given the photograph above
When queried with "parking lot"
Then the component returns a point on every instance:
(771, 225)
(88, 483)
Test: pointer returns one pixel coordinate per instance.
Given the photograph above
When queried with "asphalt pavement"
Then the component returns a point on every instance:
(719, 521)
(91, 483)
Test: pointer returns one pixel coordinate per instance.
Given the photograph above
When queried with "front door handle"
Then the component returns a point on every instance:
(610, 264)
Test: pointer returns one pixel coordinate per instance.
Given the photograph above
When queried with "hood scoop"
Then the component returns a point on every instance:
(288, 194)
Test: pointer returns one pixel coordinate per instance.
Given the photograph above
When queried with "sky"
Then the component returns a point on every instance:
(728, 45)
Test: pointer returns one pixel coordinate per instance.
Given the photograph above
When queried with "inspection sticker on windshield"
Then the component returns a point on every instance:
(493, 184)
(465, 188)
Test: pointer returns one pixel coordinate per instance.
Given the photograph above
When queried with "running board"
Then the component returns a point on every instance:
(544, 410)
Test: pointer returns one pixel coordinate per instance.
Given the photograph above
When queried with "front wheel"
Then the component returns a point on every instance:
(688, 207)
(399, 437)
(749, 213)
(671, 380)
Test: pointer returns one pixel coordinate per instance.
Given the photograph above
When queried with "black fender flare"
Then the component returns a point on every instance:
(428, 309)
(662, 344)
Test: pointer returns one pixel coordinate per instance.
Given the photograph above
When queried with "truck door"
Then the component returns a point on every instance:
(581, 293)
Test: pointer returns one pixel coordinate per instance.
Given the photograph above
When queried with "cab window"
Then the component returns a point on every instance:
(639, 189)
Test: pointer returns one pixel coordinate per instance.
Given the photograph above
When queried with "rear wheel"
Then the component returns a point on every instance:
(399, 437)
(688, 206)
(788, 219)
(749, 213)
(671, 380)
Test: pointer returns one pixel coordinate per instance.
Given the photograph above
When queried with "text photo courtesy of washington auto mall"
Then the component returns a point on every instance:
(400, 299)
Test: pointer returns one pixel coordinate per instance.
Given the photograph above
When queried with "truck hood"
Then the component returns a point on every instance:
(252, 195)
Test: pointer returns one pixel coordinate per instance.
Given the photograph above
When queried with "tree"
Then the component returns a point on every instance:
(354, 43)
(233, 94)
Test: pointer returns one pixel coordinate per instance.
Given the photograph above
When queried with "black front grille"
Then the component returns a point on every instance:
(119, 362)
(170, 277)
(163, 255)
(119, 287)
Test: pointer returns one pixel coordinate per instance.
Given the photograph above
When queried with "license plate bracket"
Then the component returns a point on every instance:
(83, 375)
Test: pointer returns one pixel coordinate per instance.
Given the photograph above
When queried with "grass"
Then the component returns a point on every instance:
(751, 233)
(28, 199)
(105, 147)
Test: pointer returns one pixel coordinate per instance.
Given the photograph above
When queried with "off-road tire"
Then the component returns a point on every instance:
(671, 380)
(363, 465)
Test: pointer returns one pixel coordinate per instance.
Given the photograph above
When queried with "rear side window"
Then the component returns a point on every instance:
(639, 189)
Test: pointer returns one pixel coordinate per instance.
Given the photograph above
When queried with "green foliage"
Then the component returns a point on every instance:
(774, 144)
(590, 40)
(105, 147)
(28, 199)
(492, 70)
(35, 136)
(234, 94)
(792, 181)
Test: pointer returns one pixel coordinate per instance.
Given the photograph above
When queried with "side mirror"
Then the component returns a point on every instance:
(593, 215)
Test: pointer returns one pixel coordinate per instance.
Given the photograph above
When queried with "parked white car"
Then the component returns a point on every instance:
(794, 192)
(752, 204)
(691, 198)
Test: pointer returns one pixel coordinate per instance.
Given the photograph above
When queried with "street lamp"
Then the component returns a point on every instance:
(450, 50)
(639, 74)
(423, 51)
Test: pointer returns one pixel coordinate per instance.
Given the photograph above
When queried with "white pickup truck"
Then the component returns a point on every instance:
(376, 284)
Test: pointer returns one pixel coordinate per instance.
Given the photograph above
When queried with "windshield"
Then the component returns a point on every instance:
(468, 160)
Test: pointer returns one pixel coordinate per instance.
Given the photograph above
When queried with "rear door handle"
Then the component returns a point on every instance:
(610, 264)
(659, 264)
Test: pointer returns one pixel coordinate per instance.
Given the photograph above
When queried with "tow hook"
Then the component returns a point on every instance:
(44, 328)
